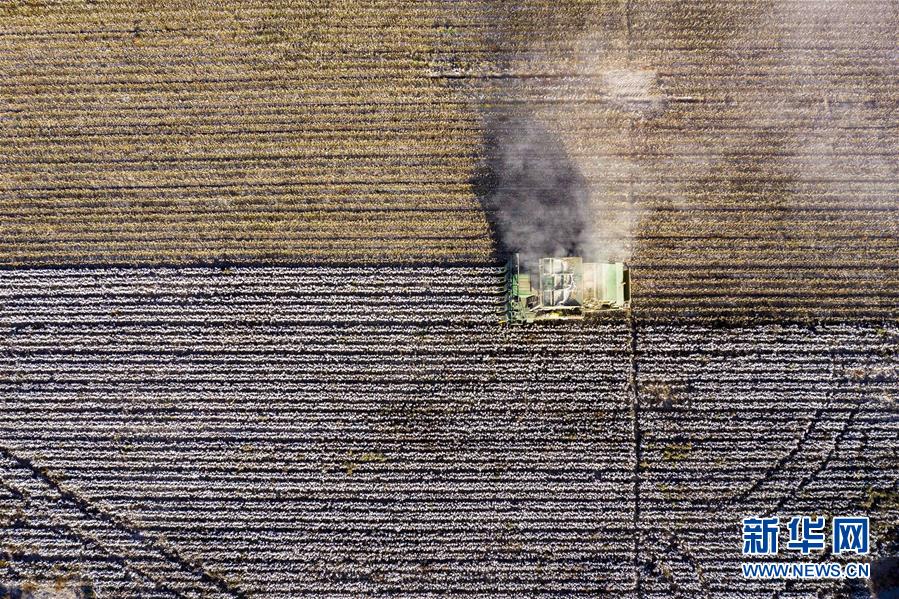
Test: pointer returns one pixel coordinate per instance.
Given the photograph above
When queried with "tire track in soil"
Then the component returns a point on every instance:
(66, 531)
(653, 563)
(635, 416)
(673, 547)
(780, 471)
(838, 440)
(168, 564)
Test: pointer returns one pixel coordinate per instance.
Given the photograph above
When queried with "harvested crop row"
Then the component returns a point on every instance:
(252, 100)
(182, 134)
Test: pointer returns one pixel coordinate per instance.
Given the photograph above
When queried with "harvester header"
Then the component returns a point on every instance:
(556, 288)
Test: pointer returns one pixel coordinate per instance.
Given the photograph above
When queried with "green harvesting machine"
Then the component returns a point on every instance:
(564, 288)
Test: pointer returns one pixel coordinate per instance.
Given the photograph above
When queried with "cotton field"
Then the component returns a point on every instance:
(252, 295)
(348, 432)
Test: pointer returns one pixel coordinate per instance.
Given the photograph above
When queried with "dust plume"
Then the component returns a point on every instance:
(557, 183)
(539, 201)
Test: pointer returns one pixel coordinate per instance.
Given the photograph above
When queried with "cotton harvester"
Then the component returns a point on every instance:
(564, 288)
